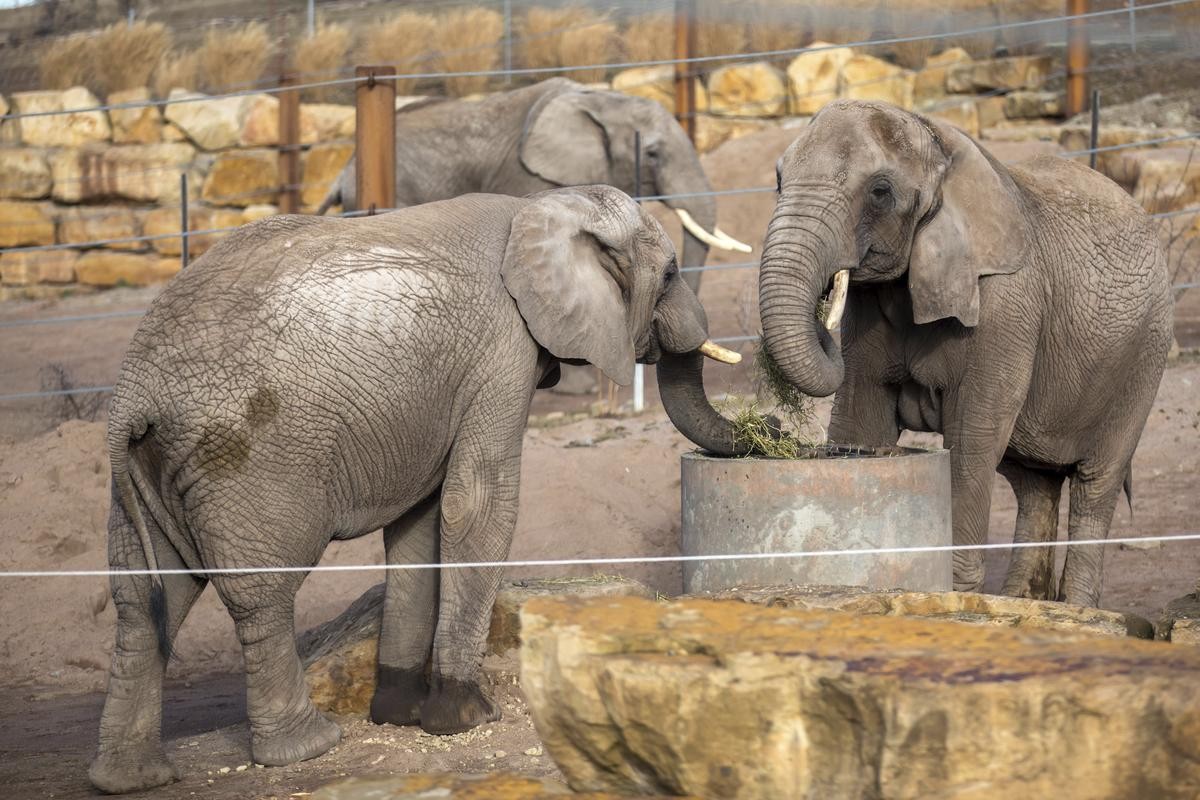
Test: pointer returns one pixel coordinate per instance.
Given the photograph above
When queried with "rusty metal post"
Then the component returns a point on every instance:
(289, 146)
(1094, 139)
(1077, 58)
(375, 138)
(685, 48)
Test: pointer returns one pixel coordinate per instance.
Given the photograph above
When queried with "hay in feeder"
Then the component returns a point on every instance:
(752, 426)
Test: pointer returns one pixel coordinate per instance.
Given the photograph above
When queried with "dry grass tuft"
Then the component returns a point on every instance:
(179, 71)
(556, 37)
(322, 57)
(1186, 22)
(649, 37)
(467, 41)
(405, 40)
(127, 55)
(234, 58)
(771, 28)
(719, 33)
(67, 62)
(755, 429)
(912, 55)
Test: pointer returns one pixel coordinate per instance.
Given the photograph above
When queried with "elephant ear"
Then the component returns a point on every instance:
(563, 267)
(563, 142)
(980, 228)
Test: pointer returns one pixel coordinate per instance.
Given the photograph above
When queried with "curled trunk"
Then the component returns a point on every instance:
(681, 386)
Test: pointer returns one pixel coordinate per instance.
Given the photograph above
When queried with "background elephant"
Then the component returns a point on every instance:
(310, 379)
(1022, 312)
(554, 133)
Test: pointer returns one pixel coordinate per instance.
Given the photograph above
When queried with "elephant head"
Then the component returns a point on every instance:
(595, 278)
(576, 136)
(869, 193)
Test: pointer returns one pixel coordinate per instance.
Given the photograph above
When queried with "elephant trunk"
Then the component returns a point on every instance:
(681, 387)
(807, 244)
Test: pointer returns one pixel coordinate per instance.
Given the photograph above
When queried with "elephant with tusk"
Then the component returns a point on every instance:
(554, 133)
(311, 379)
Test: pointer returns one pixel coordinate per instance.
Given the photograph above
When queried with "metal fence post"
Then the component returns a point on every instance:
(639, 370)
(1095, 136)
(289, 146)
(508, 53)
(1077, 58)
(375, 137)
(1132, 24)
(312, 18)
(685, 48)
(183, 220)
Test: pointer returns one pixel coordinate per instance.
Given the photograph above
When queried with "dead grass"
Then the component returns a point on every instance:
(1186, 22)
(177, 71)
(719, 32)
(127, 55)
(556, 37)
(758, 430)
(405, 40)
(595, 43)
(913, 55)
(66, 62)
(467, 41)
(649, 37)
(322, 57)
(234, 58)
(772, 28)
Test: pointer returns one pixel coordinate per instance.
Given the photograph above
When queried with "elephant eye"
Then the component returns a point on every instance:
(881, 191)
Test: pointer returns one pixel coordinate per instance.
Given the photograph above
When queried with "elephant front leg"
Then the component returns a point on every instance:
(479, 513)
(409, 615)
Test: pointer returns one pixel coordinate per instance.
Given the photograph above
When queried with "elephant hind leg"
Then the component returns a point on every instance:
(130, 756)
(410, 605)
(1094, 494)
(1031, 569)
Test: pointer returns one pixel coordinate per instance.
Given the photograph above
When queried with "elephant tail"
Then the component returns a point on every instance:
(332, 198)
(1127, 485)
(122, 430)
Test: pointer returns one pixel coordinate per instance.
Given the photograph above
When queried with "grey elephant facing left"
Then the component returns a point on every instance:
(311, 379)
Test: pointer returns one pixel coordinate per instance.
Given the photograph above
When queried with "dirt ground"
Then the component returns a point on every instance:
(592, 487)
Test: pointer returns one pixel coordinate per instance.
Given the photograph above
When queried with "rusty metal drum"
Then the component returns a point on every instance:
(863, 498)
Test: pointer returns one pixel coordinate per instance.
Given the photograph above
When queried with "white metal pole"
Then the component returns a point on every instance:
(312, 17)
(639, 388)
(639, 371)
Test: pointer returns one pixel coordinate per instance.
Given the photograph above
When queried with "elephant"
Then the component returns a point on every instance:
(551, 134)
(316, 378)
(1023, 312)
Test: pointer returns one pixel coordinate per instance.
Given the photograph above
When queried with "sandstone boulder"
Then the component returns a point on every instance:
(930, 81)
(141, 125)
(1011, 131)
(658, 84)
(731, 700)
(320, 165)
(145, 172)
(813, 77)
(494, 786)
(970, 607)
(166, 221)
(60, 130)
(990, 110)
(1166, 179)
(242, 178)
(325, 122)
(960, 112)
(257, 212)
(340, 656)
(1005, 74)
(1033, 105)
(754, 89)
(24, 173)
(26, 223)
(212, 123)
(100, 223)
(1076, 139)
(712, 132)
(50, 266)
(111, 268)
(259, 117)
(865, 77)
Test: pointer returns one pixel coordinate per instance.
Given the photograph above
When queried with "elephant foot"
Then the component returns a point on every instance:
(1028, 588)
(131, 769)
(399, 694)
(454, 706)
(310, 738)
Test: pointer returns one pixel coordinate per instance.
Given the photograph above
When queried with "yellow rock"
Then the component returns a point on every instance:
(425, 786)
(712, 132)
(319, 166)
(50, 266)
(1077, 139)
(990, 110)
(930, 81)
(732, 700)
(165, 221)
(135, 125)
(1032, 105)
(146, 172)
(868, 78)
(25, 223)
(259, 117)
(658, 84)
(813, 77)
(1007, 74)
(111, 268)
(242, 178)
(261, 211)
(98, 223)
(60, 130)
(325, 122)
(962, 113)
(24, 173)
(755, 89)
(212, 123)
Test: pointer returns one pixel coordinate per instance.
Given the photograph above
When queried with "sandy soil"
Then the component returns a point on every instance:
(590, 488)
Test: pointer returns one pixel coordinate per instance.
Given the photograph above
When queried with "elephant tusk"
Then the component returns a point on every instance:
(733, 244)
(712, 240)
(837, 299)
(717, 353)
